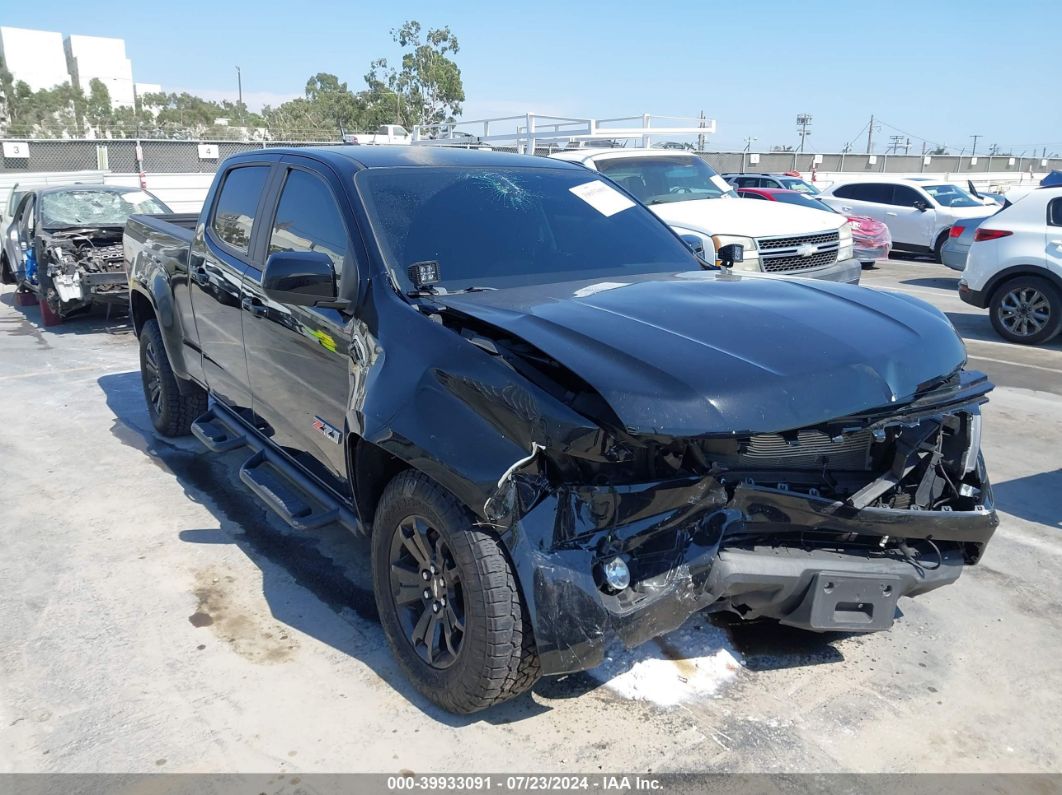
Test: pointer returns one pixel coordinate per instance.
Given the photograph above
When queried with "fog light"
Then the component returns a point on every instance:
(617, 575)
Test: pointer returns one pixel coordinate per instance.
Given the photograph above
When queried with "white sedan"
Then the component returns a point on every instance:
(1015, 268)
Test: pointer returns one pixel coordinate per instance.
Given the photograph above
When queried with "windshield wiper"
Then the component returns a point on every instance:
(473, 289)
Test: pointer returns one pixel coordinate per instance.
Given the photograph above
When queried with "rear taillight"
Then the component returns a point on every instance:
(990, 234)
(956, 231)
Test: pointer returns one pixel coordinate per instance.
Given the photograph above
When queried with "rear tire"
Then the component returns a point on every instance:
(171, 412)
(459, 631)
(6, 275)
(1026, 310)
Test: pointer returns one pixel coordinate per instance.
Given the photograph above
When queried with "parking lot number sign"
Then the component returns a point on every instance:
(16, 150)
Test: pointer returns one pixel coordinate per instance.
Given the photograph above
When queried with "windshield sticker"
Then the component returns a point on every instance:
(721, 183)
(600, 287)
(605, 199)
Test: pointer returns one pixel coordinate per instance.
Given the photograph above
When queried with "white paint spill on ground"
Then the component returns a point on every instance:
(692, 662)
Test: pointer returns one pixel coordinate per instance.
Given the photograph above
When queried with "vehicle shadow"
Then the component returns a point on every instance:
(703, 656)
(112, 319)
(911, 256)
(316, 583)
(947, 283)
(976, 325)
(1033, 498)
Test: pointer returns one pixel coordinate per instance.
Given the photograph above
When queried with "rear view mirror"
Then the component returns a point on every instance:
(921, 206)
(302, 278)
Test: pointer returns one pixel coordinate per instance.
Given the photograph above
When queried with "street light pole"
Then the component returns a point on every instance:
(239, 92)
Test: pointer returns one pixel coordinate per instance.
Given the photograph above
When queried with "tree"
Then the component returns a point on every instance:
(940, 150)
(98, 111)
(429, 82)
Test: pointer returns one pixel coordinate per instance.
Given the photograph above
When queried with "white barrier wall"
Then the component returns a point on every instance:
(184, 193)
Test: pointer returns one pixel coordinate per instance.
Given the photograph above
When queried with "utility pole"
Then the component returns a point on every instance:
(803, 120)
(748, 145)
(895, 142)
(700, 137)
(907, 147)
(239, 91)
(870, 134)
(973, 152)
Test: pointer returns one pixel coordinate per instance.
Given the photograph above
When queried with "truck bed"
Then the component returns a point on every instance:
(166, 237)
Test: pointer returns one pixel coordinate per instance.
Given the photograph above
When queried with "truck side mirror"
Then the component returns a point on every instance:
(302, 278)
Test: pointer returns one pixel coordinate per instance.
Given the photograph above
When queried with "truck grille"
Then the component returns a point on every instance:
(771, 243)
(783, 255)
(798, 263)
(812, 450)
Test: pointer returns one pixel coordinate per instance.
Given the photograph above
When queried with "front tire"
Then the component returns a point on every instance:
(6, 274)
(1026, 310)
(448, 599)
(171, 411)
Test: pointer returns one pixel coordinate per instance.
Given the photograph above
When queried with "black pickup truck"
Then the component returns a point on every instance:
(561, 428)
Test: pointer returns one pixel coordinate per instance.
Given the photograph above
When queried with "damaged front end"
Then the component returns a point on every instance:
(81, 267)
(822, 528)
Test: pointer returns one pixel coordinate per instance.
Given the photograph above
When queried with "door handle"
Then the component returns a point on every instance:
(892, 214)
(254, 306)
(201, 277)
(847, 209)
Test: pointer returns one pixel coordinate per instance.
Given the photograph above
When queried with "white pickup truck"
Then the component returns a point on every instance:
(695, 201)
(385, 134)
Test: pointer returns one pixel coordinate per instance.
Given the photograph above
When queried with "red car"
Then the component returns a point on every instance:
(870, 238)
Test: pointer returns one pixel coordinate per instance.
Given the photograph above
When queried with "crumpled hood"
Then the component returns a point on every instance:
(691, 354)
(747, 217)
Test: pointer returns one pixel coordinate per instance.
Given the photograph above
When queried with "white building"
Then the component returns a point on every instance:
(99, 58)
(35, 57)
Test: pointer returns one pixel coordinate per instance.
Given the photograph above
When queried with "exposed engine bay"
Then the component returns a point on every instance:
(84, 266)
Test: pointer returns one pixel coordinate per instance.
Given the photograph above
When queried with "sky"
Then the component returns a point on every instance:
(937, 72)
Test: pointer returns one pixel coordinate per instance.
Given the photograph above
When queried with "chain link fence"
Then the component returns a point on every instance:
(120, 156)
(185, 157)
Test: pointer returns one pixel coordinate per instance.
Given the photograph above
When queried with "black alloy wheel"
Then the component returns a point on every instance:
(427, 593)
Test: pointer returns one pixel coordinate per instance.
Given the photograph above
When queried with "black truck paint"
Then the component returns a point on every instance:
(800, 450)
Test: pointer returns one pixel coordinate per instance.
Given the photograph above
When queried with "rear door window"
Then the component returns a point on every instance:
(237, 204)
(866, 192)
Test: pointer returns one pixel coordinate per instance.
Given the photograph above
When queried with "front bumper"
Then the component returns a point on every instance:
(871, 252)
(689, 547)
(847, 271)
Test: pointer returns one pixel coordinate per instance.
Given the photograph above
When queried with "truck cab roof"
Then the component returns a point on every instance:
(344, 157)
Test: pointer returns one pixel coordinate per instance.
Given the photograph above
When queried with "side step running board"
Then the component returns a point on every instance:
(218, 432)
(294, 496)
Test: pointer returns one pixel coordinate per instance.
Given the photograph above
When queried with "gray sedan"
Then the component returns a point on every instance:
(956, 247)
